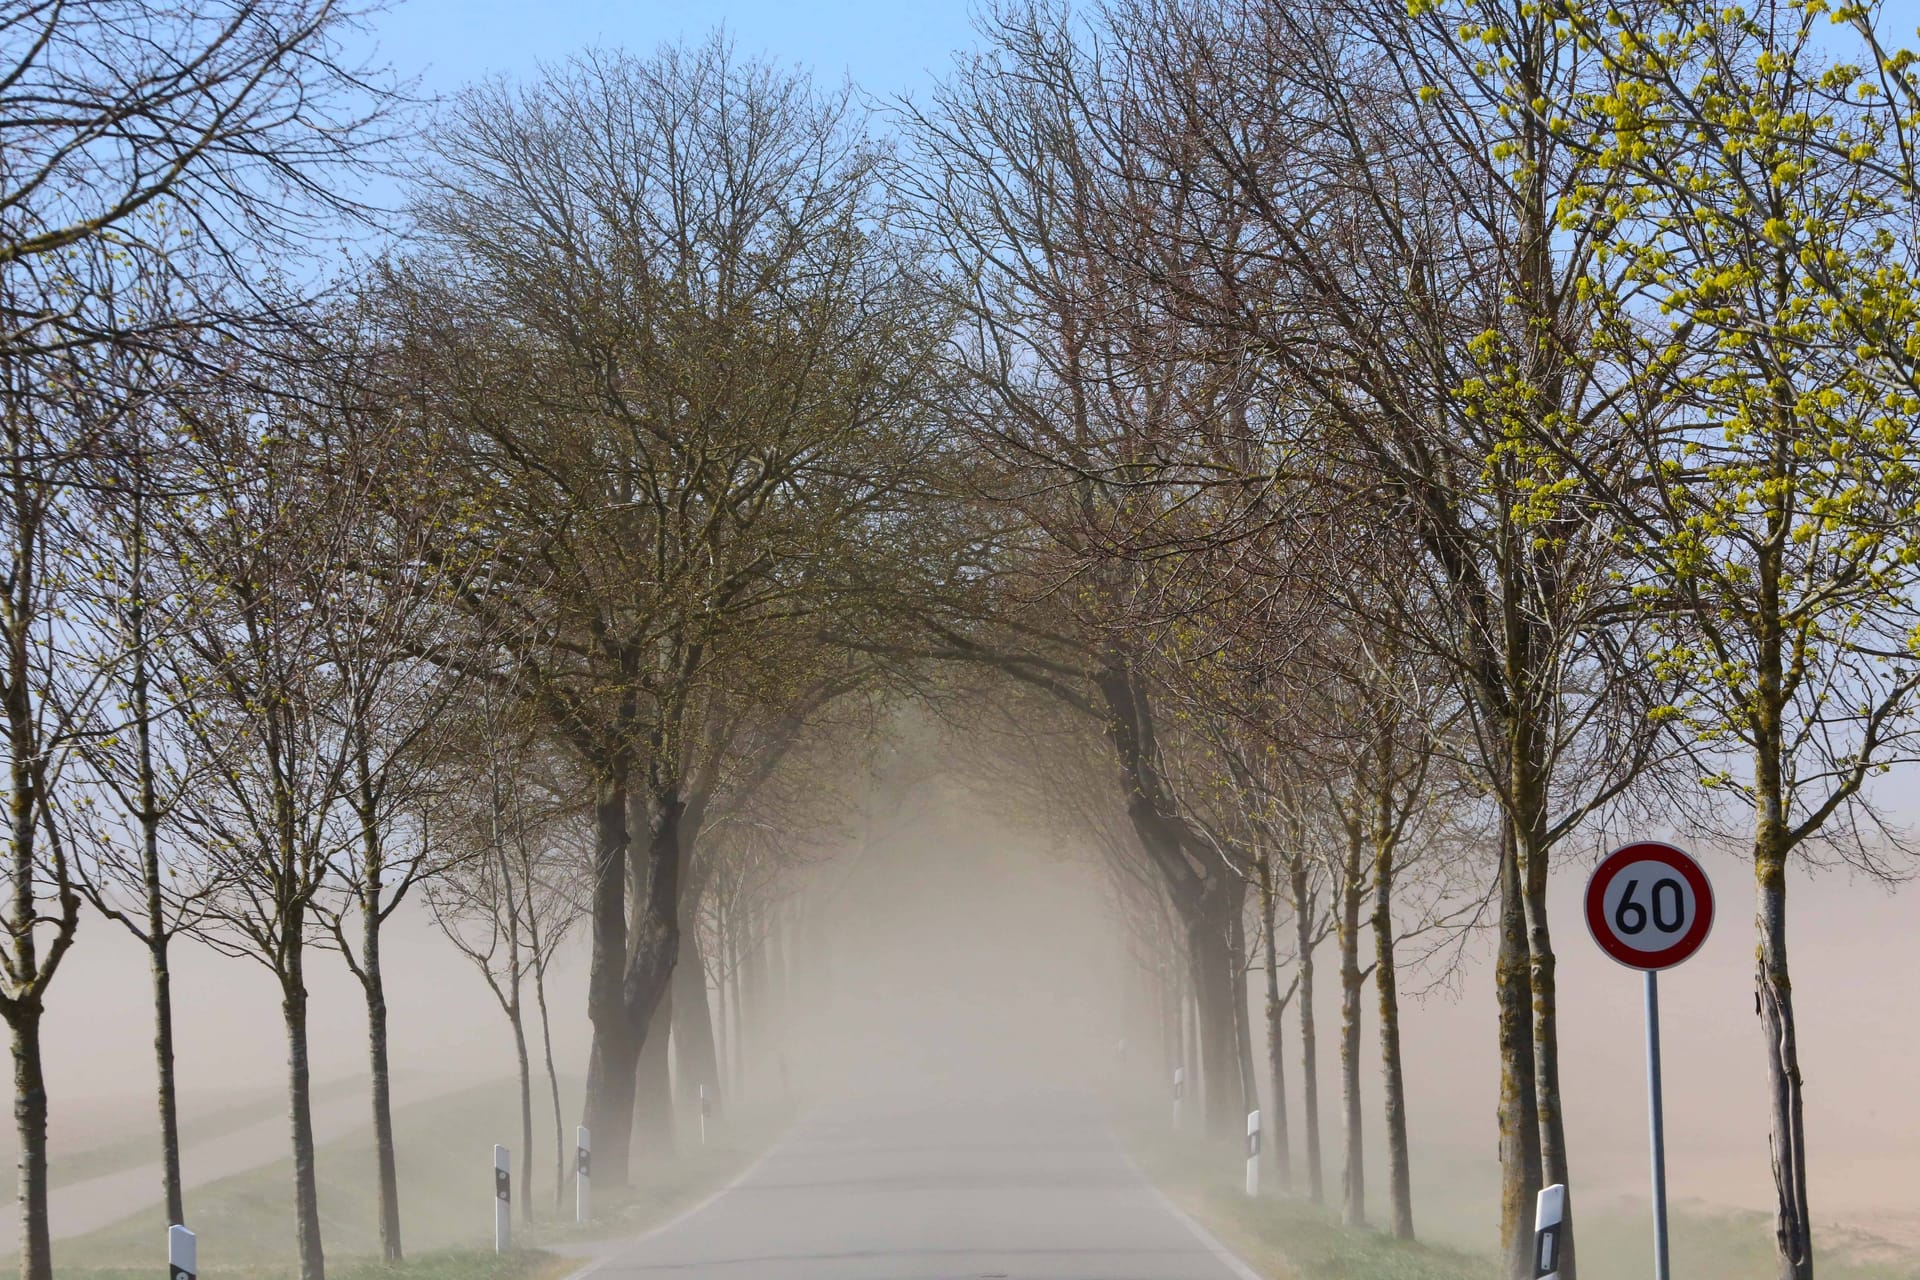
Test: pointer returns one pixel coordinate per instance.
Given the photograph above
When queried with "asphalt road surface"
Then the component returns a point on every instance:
(1020, 1188)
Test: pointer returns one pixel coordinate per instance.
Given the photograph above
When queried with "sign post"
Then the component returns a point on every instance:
(1179, 1088)
(1650, 906)
(183, 1254)
(1253, 1153)
(502, 1200)
(583, 1176)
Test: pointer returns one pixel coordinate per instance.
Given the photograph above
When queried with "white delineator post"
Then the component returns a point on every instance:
(1549, 1211)
(706, 1109)
(583, 1176)
(183, 1254)
(1253, 1153)
(1179, 1088)
(502, 1200)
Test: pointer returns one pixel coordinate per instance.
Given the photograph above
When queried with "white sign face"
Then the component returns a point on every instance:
(1649, 905)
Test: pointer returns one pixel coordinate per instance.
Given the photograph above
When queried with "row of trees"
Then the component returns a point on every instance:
(1469, 415)
(1389, 441)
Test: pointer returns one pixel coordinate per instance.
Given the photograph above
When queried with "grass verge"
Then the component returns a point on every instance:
(245, 1223)
(1289, 1239)
(1281, 1237)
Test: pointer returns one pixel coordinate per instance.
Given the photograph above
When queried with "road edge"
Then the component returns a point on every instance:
(621, 1245)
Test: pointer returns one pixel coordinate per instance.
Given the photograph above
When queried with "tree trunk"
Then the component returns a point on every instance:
(168, 1093)
(736, 1005)
(1546, 1052)
(1353, 1183)
(1773, 1001)
(614, 1055)
(1213, 1013)
(306, 1189)
(653, 1093)
(1392, 1078)
(156, 936)
(553, 1085)
(525, 1064)
(613, 1067)
(1242, 1020)
(655, 948)
(1279, 1145)
(374, 988)
(695, 1056)
(30, 1123)
(1518, 1121)
(1303, 910)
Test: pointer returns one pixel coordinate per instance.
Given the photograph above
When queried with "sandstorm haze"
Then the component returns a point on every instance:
(956, 948)
(1040, 668)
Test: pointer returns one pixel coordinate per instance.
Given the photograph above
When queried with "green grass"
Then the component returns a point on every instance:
(443, 1264)
(244, 1223)
(198, 1123)
(1285, 1238)
(1289, 1239)
(1729, 1245)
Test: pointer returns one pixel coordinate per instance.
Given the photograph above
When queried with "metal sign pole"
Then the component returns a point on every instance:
(1656, 1121)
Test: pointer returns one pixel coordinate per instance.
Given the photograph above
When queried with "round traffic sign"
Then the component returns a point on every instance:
(1649, 905)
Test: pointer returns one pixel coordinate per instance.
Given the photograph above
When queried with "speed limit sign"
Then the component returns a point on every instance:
(1649, 906)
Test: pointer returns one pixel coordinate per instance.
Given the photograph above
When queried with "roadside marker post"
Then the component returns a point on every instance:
(583, 1176)
(1253, 1153)
(502, 1200)
(706, 1109)
(1179, 1089)
(183, 1254)
(1549, 1211)
(1650, 907)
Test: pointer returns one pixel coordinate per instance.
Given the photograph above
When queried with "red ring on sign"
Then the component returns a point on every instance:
(1684, 865)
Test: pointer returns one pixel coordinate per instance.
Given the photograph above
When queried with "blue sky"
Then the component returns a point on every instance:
(886, 46)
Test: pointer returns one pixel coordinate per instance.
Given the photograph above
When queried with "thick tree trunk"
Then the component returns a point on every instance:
(1353, 1182)
(1303, 911)
(1773, 1000)
(306, 1187)
(1213, 987)
(696, 1057)
(653, 1088)
(655, 948)
(374, 987)
(1518, 1121)
(1392, 1077)
(614, 1054)
(1279, 1143)
(30, 1124)
(613, 1066)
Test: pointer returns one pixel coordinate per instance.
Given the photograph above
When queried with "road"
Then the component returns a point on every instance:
(1025, 1188)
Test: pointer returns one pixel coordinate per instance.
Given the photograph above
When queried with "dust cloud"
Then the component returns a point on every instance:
(946, 949)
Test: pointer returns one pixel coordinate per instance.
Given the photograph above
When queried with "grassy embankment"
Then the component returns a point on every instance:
(1288, 1239)
(245, 1228)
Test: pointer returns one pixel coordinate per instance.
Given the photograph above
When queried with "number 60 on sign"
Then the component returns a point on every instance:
(1649, 906)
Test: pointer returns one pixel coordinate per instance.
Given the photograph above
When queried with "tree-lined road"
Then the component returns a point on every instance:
(1032, 1188)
